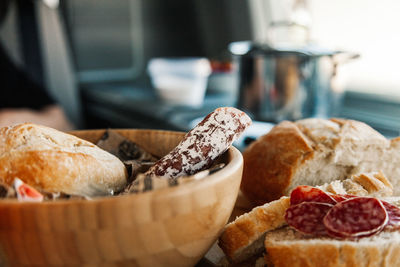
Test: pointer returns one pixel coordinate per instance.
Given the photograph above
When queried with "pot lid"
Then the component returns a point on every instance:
(242, 48)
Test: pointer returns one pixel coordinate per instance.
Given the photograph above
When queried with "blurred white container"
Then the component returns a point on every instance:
(180, 81)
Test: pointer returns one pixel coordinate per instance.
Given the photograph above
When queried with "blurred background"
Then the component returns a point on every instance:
(274, 59)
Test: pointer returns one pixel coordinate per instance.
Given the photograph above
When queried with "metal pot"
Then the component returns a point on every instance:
(287, 84)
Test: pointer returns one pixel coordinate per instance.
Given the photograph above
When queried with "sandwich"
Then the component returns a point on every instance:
(345, 160)
(243, 238)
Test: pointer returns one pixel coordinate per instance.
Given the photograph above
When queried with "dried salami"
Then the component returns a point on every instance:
(307, 217)
(203, 144)
(356, 217)
(305, 193)
(393, 214)
(340, 197)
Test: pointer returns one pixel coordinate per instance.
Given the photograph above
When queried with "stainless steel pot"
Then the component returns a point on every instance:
(287, 84)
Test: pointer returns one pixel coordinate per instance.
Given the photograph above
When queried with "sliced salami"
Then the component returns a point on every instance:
(305, 193)
(340, 197)
(356, 217)
(394, 215)
(307, 217)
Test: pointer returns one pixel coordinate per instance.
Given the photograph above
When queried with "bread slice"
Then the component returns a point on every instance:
(372, 184)
(286, 247)
(313, 152)
(243, 238)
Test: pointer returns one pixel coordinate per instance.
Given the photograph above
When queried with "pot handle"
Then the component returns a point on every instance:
(340, 57)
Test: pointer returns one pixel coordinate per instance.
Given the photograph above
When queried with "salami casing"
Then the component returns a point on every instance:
(203, 144)
(340, 198)
(393, 214)
(305, 193)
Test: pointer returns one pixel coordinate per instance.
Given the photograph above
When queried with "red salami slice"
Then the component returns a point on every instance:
(340, 198)
(307, 217)
(305, 193)
(356, 217)
(394, 215)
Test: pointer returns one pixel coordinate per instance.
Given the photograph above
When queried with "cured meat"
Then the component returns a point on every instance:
(307, 217)
(356, 217)
(26, 193)
(314, 211)
(305, 193)
(394, 215)
(340, 198)
(203, 144)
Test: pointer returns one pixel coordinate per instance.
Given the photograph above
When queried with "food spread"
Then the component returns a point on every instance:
(195, 157)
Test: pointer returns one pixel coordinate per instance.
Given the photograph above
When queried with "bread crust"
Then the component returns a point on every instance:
(248, 228)
(269, 164)
(54, 161)
(286, 248)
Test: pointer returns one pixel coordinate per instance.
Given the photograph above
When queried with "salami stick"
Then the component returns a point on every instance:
(203, 144)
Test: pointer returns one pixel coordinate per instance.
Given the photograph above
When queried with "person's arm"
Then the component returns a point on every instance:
(23, 100)
(51, 116)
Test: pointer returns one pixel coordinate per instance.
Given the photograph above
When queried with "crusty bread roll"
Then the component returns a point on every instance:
(54, 161)
(286, 247)
(243, 238)
(314, 152)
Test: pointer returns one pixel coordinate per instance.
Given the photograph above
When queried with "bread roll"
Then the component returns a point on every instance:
(54, 161)
(314, 152)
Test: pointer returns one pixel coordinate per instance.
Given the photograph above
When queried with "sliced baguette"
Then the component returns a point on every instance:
(243, 238)
(286, 247)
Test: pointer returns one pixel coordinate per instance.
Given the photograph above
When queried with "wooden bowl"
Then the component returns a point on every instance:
(167, 227)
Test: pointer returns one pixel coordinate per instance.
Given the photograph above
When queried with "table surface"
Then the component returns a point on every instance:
(139, 106)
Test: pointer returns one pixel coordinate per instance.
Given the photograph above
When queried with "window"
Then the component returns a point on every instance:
(368, 27)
